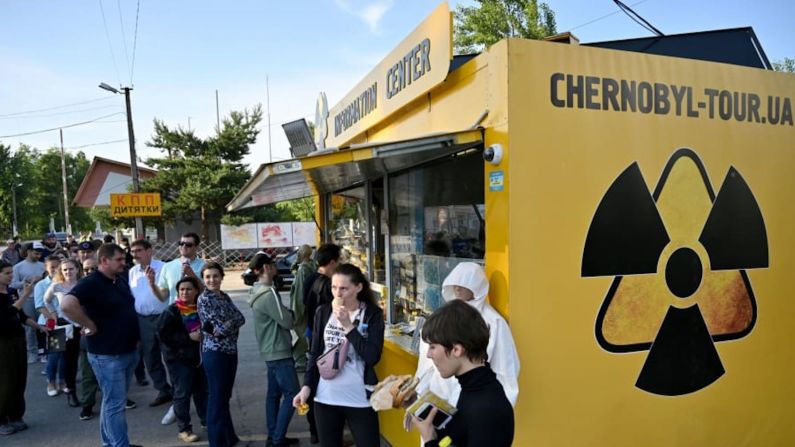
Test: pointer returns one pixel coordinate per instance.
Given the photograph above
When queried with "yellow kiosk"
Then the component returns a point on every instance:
(633, 213)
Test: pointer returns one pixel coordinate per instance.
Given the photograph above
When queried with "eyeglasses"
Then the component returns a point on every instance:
(186, 244)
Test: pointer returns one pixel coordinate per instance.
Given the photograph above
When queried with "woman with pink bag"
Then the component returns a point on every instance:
(340, 395)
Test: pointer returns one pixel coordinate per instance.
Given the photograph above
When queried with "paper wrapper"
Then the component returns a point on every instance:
(382, 398)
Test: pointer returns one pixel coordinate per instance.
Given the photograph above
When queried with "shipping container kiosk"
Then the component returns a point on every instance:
(634, 214)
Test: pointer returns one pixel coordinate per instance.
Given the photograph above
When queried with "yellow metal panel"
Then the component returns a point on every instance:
(562, 161)
(395, 360)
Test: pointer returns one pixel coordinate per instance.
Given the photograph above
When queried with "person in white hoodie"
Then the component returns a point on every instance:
(468, 282)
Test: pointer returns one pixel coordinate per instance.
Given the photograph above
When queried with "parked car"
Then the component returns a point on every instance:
(284, 263)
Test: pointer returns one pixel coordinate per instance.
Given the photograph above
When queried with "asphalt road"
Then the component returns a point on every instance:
(53, 423)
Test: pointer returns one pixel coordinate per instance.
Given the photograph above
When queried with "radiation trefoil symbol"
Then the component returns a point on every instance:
(679, 257)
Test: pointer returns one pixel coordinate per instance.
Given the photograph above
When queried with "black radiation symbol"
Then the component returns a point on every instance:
(680, 283)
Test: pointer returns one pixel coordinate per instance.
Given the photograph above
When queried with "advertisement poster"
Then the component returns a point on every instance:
(273, 235)
(239, 237)
(304, 233)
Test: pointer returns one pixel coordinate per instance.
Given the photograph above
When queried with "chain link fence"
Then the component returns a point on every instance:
(234, 259)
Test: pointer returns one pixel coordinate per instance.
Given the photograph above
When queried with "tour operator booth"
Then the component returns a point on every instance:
(633, 213)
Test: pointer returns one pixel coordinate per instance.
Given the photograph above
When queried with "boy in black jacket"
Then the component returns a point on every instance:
(458, 338)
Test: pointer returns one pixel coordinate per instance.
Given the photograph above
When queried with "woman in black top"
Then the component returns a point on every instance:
(179, 330)
(352, 317)
(13, 352)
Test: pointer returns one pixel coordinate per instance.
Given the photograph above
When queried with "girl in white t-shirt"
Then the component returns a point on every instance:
(353, 316)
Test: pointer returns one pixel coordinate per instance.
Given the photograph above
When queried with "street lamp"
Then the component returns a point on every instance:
(14, 205)
(139, 226)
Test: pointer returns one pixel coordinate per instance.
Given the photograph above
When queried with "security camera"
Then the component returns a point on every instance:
(493, 154)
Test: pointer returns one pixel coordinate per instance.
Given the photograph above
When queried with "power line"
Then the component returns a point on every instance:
(605, 16)
(638, 19)
(135, 42)
(123, 35)
(104, 98)
(95, 144)
(66, 126)
(107, 36)
(60, 113)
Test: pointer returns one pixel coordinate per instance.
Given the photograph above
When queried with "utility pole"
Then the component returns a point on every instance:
(14, 204)
(268, 102)
(139, 224)
(217, 113)
(65, 191)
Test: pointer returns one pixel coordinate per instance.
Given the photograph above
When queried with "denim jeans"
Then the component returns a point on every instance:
(56, 367)
(282, 387)
(114, 374)
(188, 381)
(221, 369)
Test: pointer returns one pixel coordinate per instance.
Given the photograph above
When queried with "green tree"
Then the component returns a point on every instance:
(200, 176)
(40, 195)
(787, 65)
(490, 21)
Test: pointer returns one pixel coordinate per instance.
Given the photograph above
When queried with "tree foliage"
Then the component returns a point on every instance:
(198, 177)
(786, 65)
(490, 21)
(40, 196)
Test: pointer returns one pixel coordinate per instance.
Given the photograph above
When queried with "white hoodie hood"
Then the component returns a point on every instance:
(501, 351)
(471, 276)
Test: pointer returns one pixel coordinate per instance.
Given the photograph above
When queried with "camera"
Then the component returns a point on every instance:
(493, 154)
(249, 277)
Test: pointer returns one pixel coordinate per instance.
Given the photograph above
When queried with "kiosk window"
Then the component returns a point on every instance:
(348, 226)
(436, 216)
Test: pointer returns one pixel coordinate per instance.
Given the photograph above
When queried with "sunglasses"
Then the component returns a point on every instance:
(186, 244)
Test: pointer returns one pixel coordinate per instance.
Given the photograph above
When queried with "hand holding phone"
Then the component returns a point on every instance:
(440, 419)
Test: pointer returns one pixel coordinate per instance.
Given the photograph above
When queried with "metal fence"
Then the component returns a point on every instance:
(233, 259)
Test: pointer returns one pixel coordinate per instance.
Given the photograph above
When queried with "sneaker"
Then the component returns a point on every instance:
(19, 425)
(170, 417)
(71, 400)
(86, 414)
(64, 389)
(160, 400)
(7, 429)
(130, 404)
(52, 390)
(188, 436)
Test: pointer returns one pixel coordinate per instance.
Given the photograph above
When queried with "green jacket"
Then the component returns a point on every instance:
(304, 271)
(272, 323)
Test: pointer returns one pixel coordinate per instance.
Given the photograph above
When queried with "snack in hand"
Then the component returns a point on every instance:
(393, 391)
(302, 409)
(336, 303)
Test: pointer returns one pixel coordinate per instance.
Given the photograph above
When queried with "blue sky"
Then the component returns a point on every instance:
(56, 52)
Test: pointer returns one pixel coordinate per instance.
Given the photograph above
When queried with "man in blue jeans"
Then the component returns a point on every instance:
(272, 324)
(104, 306)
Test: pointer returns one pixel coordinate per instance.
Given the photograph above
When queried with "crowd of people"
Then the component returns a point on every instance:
(123, 312)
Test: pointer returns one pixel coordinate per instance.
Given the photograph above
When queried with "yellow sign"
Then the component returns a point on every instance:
(135, 205)
(651, 243)
(420, 62)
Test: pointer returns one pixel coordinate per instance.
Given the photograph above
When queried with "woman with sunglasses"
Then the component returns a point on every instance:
(220, 324)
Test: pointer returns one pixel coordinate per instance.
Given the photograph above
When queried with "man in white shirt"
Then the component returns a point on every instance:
(143, 279)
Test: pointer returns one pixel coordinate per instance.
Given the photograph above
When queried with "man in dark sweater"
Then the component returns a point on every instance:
(458, 337)
(103, 305)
